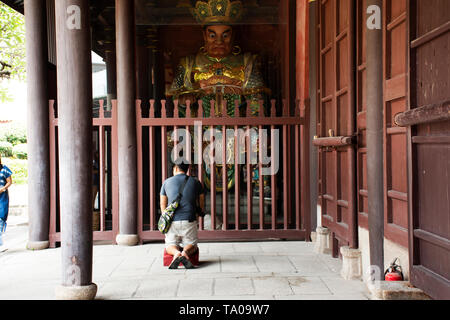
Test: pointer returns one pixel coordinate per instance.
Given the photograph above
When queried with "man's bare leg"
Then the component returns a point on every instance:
(189, 250)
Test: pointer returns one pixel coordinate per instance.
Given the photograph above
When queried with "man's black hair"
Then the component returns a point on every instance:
(183, 166)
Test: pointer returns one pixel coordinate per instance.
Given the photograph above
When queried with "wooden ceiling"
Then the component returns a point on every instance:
(154, 14)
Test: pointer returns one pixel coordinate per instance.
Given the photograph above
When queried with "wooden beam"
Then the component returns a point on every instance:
(427, 114)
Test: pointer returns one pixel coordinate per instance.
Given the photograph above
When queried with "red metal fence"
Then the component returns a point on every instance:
(105, 127)
(243, 213)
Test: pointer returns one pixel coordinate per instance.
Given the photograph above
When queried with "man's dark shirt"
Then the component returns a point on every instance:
(192, 190)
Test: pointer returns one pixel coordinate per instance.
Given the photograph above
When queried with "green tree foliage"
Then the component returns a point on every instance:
(14, 133)
(12, 47)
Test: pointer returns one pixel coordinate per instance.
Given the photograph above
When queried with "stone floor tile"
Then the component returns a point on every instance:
(236, 263)
(274, 264)
(221, 248)
(110, 289)
(272, 286)
(308, 286)
(308, 266)
(195, 288)
(342, 286)
(233, 287)
(247, 248)
(152, 288)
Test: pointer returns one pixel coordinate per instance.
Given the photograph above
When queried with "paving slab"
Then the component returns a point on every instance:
(308, 286)
(195, 288)
(274, 264)
(265, 270)
(157, 288)
(272, 286)
(237, 287)
(238, 263)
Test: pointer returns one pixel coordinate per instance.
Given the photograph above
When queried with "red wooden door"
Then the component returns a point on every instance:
(429, 154)
(395, 50)
(336, 122)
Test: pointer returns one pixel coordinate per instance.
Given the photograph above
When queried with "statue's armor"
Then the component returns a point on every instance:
(225, 80)
(236, 77)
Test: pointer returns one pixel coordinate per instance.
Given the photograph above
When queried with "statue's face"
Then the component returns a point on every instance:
(218, 41)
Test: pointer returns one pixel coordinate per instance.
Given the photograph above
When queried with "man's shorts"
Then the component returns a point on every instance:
(182, 233)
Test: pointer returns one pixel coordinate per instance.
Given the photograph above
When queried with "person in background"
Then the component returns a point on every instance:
(183, 230)
(5, 183)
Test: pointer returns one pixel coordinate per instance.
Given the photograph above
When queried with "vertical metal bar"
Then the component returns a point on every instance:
(53, 177)
(260, 168)
(297, 173)
(285, 170)
(213, 172)
(249, 175)
(199, 143)
(188, 155)
(152, 188)
(224, 175)
(139, 166)
(115, 169)
(164, 142)
(101, 169)
(237, 206)
(305, 170)
(272, 162)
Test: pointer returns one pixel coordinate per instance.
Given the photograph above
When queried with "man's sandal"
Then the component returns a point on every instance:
(176, 262)
(186, 263)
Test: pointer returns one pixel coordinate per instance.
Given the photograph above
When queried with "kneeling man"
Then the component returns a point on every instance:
(183, 230)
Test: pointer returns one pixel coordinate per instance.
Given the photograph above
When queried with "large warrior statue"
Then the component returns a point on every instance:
(219, 72)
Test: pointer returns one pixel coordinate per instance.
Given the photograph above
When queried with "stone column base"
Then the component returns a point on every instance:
(76, 292)
(38, 245)
(351, 263)
(322, 243)
(127, 239)
(395, 290)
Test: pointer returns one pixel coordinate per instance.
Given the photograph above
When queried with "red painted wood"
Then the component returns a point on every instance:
(237, 183)
(249, 182)
(140, 196)
(53, 176)
(224, 173)
(101, 169)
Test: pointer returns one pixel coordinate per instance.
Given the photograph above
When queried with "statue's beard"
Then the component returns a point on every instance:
(218, 51)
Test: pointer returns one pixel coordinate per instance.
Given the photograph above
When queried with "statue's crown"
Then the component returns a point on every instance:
(218, 12)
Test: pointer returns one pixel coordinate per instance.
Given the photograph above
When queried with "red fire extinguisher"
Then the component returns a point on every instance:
(394, 272)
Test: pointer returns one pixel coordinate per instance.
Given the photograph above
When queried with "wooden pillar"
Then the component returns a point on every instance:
(374, 49)
(74, 67)
(302, 84)
(126, 99)
(38, 124)
(111, 76)
(313, 76)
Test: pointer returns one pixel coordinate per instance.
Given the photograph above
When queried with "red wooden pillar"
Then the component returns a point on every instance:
(38, 125)
(126, 96)
(302, 83)
(74, 69)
